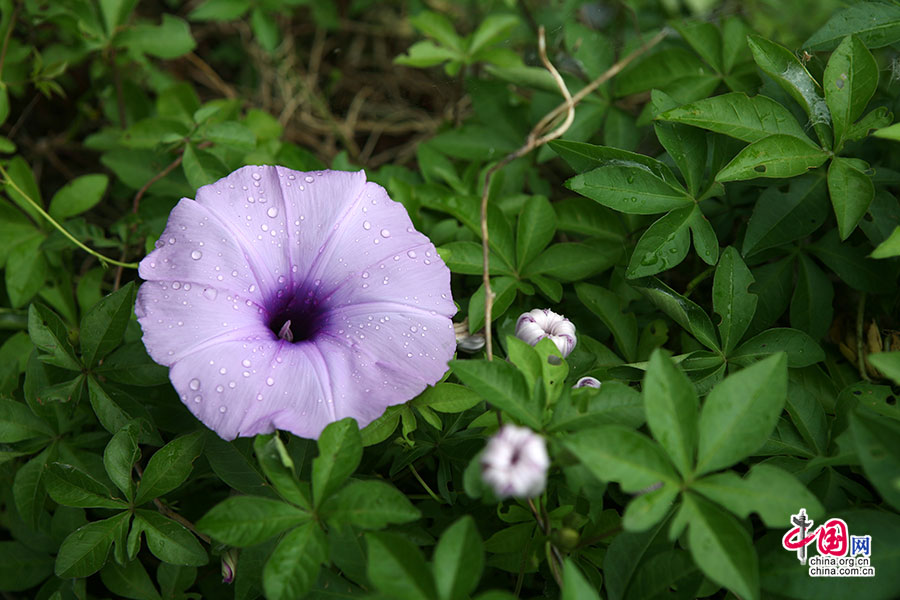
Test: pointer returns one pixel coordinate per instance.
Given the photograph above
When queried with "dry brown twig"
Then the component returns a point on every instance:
(536, 139)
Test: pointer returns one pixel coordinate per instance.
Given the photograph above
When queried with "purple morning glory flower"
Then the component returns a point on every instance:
(288, 300)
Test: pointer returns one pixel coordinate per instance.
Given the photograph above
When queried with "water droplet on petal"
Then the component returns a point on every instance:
(308, 179)
(198, 399)
(411, 254)
(194, 384)
(210, 293)
(196, 255)
(256, 176)
(270, 381)
(176, 285)
(366, 225)
(246, 363)
(222, 409)
(272, 212)
(385, 233)
(171, 240)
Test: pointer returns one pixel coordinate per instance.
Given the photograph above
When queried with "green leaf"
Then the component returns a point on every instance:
(50, 334)
(571, 261)
(200, 167)
(77, 196)
(104, 325)
(773, 156)
(851, 192)
(772, 493)
(740, 413)
(170, 39)
(536, 227)
(671, 404)
(629, 189)
(466, 258)
(876, 24)
(584, 157)
(606, 305)
(706, 244)
(889, 247)
(437, 26)
(586, 408)
(888, 363)
(278, 466)
(70, 486)
(663, 70)
(28, 489)
(169, 541)
(493, 29)
(705, 39)
(22, 567)
(649, 508)
(84, 551)
(458, 560)
(616, 453)
(663, 245)
(248, 520)
(877, 446)
(292, 569)
(18, 423)
(26, 270)
(426, 54)
(812, 303)
(850, 80)
(265, 29)
(575, 586)
(21, 174)
(801, 349)
(875, 119)
(169, 466)
(722, 548)
(340, 450)
(129, 581)
(685, 145)
(130, 364)
(120, 455)
(501, 385)
(504, 290)
(682, 310)
(737, 115)
(220, 10)
(850, 263)
(732, 300)
(785, 68)
(780, 217)
(232, 134)
(447, 398)
(369, 504)
(397, 568)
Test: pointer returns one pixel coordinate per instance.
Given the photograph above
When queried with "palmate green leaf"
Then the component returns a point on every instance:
(120, 455)
(721, 547)
(447, 398)
(800, 349)
(682, 310)
(877, 443)
(663, 69)
(573, 261)
(663, 245)
(18, 423)
(70, 486)
(26, 270)
(493, 29)
(85, 550)
(585, 157)
(167, 540)
(21, 174)
(28, 489)
(780, 217)
(616, 453)
(278, 466)
(876, 24)
(504, 290)
(771, 492)
(629, 189)
(649, 508)
(169, 466)
(232, 134)
(248, 520)
(501, 385)
(536, 227)
(737, 115)
(22, 567)
(812, 307)
(785, 68)
(606, 306)
(340, 450)
(851, 192)
(774, 156)
(586, 408)
(427, 54)
(807, 414)
(740, 413)
(234, 464)
(706, 244)
(77, 196)
(851, 264)
(685, 145)
(370, 504)
(850, 80)
(201, 167)
(466, 258)
(626, 552)
(458, 560)
(671, 405)
(671, 572)
(732, 300)
(129, 581)
(292, 569)
(130, 364)
(704, 38)
(104, 325)
(398, 569)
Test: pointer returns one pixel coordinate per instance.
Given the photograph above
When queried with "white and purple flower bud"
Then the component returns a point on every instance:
(587, 382)
(514, 463)
(538, 324)
(229, 565)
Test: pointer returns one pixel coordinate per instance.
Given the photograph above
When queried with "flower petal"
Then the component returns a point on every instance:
(178, 317)
(196, 247)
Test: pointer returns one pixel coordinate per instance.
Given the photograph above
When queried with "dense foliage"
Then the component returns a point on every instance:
(719, 220)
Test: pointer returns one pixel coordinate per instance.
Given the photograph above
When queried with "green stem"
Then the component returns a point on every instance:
(103, 259)
(425, 485)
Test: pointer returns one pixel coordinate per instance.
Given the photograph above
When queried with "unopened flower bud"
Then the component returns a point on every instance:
(464, 340)
(514, 463)
(229, 565)
(538, 324)
(587, 382)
